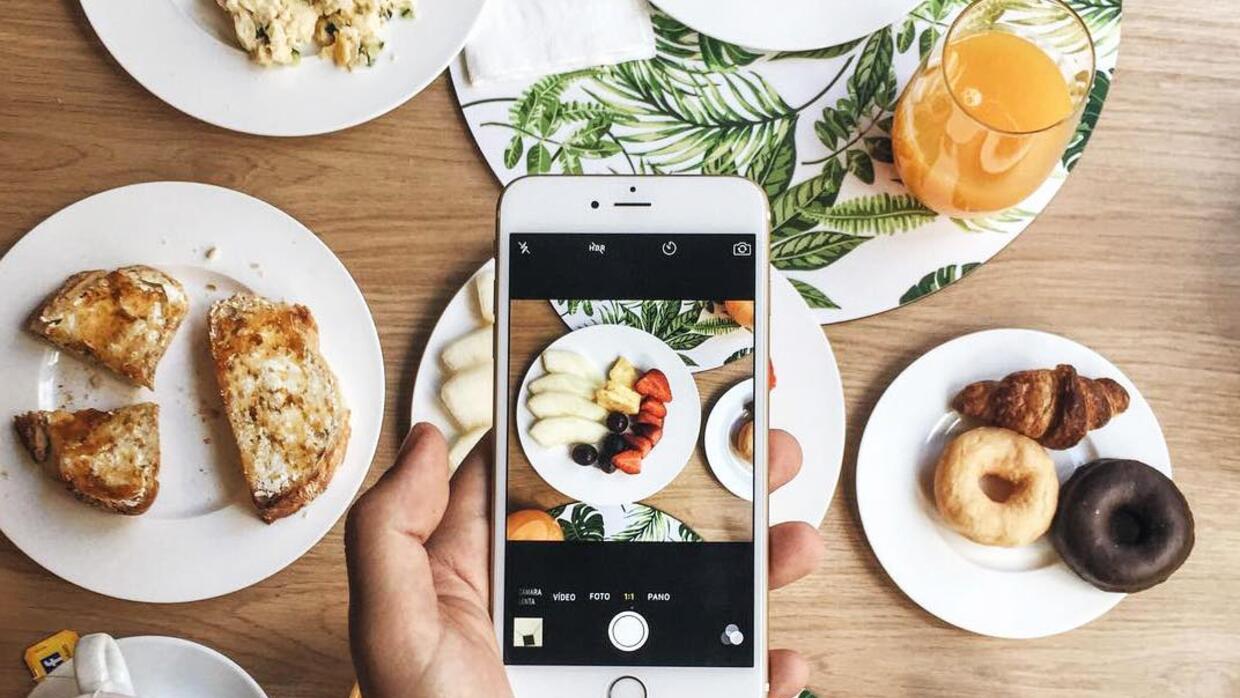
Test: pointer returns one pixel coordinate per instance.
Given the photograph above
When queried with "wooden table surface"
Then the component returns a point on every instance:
(1139, 257)
(695, 496)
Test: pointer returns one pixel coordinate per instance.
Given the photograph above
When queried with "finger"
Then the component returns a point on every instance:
(796, 550)
(389, 573)
(789, 674)
(785, 460)
(462, 540)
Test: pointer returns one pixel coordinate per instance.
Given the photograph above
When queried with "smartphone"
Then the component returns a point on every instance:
(626, 308)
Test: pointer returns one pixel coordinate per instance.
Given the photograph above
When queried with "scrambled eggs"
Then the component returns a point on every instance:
(276, 32)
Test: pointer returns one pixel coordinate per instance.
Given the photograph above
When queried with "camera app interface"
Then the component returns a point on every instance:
(630, 442)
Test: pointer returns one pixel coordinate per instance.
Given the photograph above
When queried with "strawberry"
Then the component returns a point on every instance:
(649, 431)
(628, 461)
(647, 418)
(654, 384)
(653, 406)
(640, 443)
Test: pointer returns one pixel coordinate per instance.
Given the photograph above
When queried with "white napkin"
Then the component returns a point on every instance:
(518, 39)
(100, 668)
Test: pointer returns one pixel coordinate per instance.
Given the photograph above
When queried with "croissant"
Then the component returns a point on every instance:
(1057, 408)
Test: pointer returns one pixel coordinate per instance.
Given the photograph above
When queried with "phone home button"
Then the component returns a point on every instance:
(627, 687)
(628, 631)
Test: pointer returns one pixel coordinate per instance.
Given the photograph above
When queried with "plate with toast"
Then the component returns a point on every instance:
(195, 385)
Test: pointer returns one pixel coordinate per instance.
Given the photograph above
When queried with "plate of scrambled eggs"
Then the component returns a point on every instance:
(284, 67)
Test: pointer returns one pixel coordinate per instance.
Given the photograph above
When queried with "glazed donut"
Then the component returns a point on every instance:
(1122, 525)
(1027, 512)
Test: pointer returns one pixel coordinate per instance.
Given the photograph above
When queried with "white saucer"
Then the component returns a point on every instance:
(730, 468)
(186, 53)
(602, 344)
(167, 667)
(1003, 592)
(786, 25)
(202, 536)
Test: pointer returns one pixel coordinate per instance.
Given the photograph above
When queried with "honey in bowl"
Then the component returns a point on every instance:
(985, 120)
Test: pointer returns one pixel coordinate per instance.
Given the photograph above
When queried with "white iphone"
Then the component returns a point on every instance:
(629, 310)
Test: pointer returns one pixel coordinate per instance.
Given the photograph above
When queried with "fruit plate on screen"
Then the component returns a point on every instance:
(608, 415)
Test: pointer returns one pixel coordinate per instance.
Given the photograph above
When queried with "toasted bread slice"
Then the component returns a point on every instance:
(282, 400)
(123, 319)
(109, 459)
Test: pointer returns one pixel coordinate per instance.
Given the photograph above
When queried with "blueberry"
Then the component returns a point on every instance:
(617, 422)
(613, 444)
(585, 454)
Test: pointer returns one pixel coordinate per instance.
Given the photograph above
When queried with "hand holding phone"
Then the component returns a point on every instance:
(418, 555)
(611, 619)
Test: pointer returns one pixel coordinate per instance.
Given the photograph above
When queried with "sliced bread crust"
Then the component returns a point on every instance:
(123, 320)
(108, 459)
(282, 400)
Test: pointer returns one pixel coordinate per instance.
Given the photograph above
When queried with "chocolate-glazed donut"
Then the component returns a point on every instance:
(1122, 525)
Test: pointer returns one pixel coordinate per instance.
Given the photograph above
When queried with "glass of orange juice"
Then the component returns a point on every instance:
(989, 113)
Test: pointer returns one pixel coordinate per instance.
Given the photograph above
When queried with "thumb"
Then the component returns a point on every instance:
(392, 597)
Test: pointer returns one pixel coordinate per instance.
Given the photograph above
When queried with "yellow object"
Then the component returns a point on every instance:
(623, 373)
(617, 398)
(981, 127)
(533, 525)
(44, 656)
(356, 692)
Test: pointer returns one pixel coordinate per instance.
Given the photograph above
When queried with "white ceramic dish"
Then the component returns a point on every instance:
(1003, 592)
(202, 537)
(168, 667)
(786, 25)
(730, 468)
(809, 402)
(603, 344)
(185, 53)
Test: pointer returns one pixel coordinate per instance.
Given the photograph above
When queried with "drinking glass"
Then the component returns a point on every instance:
(991, 110)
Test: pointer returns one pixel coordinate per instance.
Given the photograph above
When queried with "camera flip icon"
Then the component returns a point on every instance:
(742, 249)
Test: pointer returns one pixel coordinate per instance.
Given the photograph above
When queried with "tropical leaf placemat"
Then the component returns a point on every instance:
(699, 332)
(812, 127)
(630, 523)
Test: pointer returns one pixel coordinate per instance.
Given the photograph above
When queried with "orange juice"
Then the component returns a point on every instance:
(980, 129)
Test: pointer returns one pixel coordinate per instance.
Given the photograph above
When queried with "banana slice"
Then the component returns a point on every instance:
(560, 361)
(470, 350)
(469, 395)
(565, 405)
(463, 445)
(563, 383)
(484, 285)
(561, 431)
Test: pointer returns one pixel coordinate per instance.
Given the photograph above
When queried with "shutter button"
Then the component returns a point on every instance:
(628, 631)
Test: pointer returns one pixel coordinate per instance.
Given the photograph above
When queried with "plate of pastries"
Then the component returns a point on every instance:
(1016, 484)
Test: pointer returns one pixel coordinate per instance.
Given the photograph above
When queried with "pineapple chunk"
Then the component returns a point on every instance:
(623, 373)
(617, 398)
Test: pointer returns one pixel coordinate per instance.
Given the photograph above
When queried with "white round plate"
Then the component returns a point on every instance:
(603, 344)
(202, 537)
(1003, 592)
(786, 25)
(168, 667)
(186, 53)
(730, 469)
(808, 403)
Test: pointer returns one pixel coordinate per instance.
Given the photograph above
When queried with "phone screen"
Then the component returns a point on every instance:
(630, 523)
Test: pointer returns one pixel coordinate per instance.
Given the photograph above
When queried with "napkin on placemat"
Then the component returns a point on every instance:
(518, 39)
